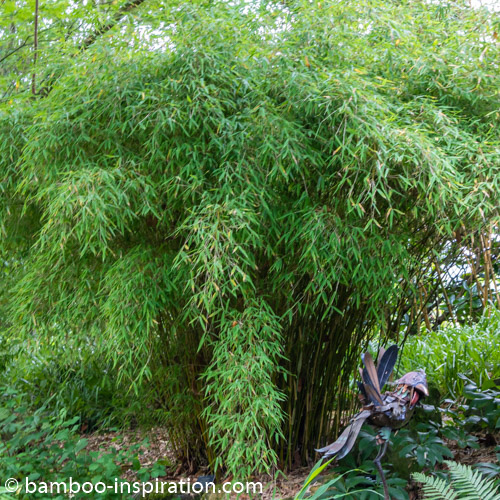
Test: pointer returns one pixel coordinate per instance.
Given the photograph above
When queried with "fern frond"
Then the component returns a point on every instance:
(435, 488)
(471, 484)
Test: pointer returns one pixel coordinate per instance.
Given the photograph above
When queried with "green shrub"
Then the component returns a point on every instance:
(41, 447)
(477, 410)
(484, 406)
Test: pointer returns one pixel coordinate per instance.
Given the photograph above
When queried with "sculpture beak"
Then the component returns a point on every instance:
(422, 388)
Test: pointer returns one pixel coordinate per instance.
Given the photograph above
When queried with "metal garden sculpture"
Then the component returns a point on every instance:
(391, 410)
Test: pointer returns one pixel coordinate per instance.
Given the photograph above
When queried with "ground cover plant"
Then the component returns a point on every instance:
(222, 202)
(36, 446)
(465, 483)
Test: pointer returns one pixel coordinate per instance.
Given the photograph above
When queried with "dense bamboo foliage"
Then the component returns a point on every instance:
(232, 212)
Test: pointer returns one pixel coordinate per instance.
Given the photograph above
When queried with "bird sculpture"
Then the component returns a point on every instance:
(391, 410)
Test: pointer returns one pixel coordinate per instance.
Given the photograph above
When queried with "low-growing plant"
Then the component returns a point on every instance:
(490, 470)
(313, 475)
(458, 434)
(484, 406)
(360, 484)
(348, 485)
(423, 445)
(478, 409)
(4, 494)
(39, 446)
(411, 449)
(462, 483)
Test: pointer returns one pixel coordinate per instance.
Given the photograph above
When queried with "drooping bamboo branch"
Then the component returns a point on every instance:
(35, 50)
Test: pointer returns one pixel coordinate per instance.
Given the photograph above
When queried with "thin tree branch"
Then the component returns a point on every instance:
(26, 42)
(116, 18)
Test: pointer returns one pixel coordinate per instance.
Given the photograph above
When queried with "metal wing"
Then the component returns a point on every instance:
(386, 364)
(370, 379)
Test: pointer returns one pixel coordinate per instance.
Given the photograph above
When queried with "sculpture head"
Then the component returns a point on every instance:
(418, 381)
